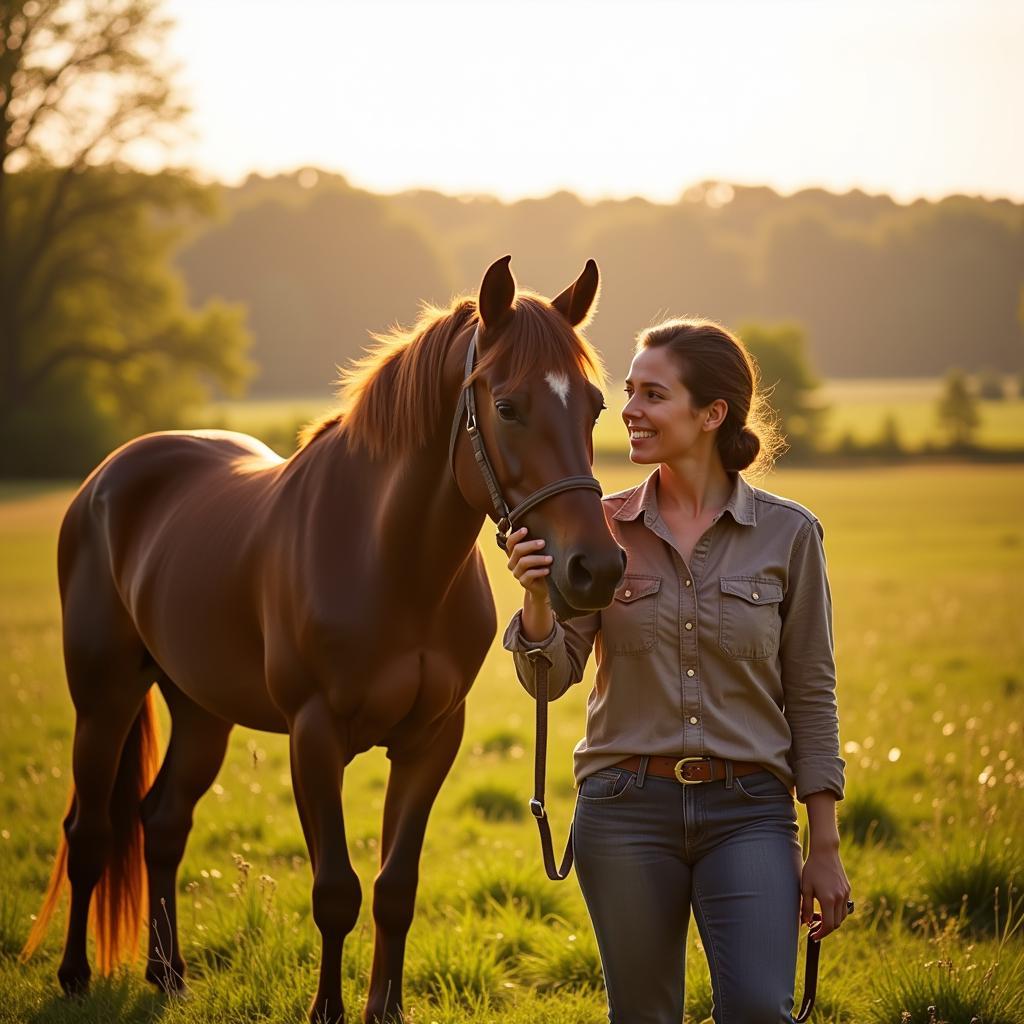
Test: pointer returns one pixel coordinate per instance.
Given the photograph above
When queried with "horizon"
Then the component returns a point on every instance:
(586, 200)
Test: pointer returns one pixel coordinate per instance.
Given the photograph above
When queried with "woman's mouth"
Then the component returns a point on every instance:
(636, 435)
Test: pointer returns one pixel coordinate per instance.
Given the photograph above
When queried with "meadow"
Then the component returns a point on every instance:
(926, 565)
(856, 409)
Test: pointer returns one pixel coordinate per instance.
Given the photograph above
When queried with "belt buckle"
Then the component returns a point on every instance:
(678, 769)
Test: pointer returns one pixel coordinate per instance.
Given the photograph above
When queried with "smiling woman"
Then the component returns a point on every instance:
(714, 702)
(713, 364)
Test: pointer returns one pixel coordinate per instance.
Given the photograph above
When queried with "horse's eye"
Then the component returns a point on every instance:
(506, 410)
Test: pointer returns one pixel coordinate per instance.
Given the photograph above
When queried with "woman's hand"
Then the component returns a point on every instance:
(530, 567)
(823, 879)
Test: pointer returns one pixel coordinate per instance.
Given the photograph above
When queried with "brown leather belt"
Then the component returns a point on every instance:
(688, 769)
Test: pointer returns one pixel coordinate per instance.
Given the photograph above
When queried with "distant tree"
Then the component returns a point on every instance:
(788, 380)
(958, 409)
(991, 385)
(96, 341)
(889, 440)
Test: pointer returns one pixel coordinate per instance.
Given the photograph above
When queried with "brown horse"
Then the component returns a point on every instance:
(337, 596)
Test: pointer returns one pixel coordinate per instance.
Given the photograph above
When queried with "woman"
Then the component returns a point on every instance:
(714, 700)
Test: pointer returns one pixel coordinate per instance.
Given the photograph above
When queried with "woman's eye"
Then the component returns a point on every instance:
(506, 411)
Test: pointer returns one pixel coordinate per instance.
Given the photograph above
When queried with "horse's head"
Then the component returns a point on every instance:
(537, 400)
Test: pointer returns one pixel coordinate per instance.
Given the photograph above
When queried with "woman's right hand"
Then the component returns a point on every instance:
(530, 567)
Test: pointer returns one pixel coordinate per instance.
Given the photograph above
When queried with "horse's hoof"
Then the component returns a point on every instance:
(74, 981)
(389, 1014)
(169, 978)
(327, 1011)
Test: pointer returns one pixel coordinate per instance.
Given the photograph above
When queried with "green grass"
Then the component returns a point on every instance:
(856, 408)
(927, 564)
(859, 408)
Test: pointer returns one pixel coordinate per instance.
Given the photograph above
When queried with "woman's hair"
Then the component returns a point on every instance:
(713, 363)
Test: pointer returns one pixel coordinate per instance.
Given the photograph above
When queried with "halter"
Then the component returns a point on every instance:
(505, 518)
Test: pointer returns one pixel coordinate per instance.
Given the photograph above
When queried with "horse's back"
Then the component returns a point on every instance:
(139, 492)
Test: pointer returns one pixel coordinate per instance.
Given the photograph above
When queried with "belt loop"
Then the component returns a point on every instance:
(728, 774)
(641, 775)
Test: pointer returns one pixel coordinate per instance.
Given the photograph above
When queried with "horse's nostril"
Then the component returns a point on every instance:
(579, 575)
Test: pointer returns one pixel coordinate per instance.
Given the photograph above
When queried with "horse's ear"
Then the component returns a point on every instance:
(497, 291)
(577, 303)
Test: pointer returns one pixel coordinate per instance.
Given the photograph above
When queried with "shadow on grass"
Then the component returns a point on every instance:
(119, 998)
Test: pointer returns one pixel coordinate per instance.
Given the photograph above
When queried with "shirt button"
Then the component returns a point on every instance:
(755, 595)
(689, 625)
(693, 720)
(688, 582)
(690, 672)
(629, 593)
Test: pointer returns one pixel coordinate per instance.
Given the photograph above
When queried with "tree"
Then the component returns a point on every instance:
(96, 340)
(958, 409)
(788, 381)
(991, 385)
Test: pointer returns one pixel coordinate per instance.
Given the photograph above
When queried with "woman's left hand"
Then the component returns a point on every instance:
(823, 879)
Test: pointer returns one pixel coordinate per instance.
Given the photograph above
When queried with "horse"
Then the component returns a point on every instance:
(338, 596)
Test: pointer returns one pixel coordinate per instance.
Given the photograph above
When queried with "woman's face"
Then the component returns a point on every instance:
(664, 425)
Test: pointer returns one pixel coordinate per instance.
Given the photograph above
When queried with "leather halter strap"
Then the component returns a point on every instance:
(505, 517)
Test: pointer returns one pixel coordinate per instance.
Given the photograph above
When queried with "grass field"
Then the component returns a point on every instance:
(856, 408)
(927, 565)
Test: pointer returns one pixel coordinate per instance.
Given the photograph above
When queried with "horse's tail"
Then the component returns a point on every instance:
(117, 907)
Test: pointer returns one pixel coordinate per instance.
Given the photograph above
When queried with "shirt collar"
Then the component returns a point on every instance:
(644, 498)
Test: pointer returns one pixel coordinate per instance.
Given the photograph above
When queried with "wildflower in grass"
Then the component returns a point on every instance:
(958, 984)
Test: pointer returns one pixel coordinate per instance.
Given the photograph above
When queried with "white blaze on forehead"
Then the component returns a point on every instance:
(559, 383)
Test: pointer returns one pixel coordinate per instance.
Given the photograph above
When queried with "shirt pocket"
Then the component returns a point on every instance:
(749, 620)
(629, 624)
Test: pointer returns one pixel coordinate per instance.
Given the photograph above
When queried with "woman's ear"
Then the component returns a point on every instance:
(716, 414)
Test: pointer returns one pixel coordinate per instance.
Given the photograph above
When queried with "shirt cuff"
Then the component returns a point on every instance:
(814, 774)
(514, 641)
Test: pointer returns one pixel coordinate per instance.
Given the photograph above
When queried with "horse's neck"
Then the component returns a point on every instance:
(416, 519)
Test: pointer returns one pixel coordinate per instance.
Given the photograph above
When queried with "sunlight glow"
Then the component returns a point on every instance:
(610, 99)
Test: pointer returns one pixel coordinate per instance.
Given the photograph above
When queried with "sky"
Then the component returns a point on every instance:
(909, 97)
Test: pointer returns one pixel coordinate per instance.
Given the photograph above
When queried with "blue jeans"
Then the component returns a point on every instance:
(647, 849)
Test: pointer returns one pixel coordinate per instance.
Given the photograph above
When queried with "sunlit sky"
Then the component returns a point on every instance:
(909, 97)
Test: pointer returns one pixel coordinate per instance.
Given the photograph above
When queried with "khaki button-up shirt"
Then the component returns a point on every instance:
(730, 656)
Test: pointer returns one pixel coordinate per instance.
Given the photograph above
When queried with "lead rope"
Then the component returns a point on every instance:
(810, 974)
(541, 663)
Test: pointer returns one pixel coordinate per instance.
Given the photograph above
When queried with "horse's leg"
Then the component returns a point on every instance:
(194, 756)
(109, 690)
(317, 760)
(412, 787)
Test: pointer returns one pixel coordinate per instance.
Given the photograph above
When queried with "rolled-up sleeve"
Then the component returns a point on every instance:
(807, 654)
(566, 648)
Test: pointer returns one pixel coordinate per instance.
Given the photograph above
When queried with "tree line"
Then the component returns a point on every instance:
(880, 289)
(128, 299)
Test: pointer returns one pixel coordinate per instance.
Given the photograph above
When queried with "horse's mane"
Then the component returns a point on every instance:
(393, 391)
